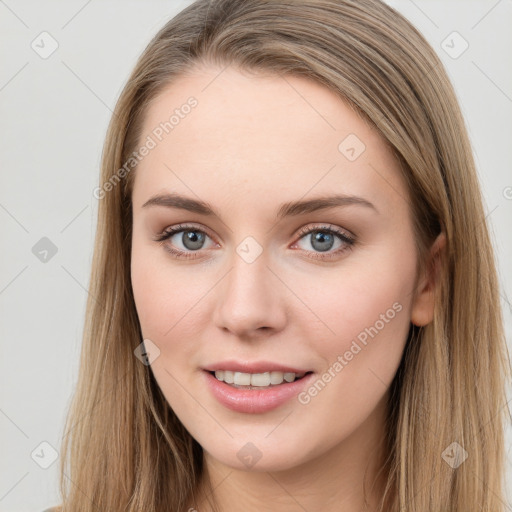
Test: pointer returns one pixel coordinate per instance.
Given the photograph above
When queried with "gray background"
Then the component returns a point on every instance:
(54, 112)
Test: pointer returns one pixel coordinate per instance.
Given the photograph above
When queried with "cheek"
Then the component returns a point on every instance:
(368, 307)
(164, 300)
(163, 295)
(172, 308)
(372, 291)
(150, 295)
(373, 308)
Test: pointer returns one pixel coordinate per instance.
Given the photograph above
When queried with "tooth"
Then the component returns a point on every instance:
(276, 377)
(256, 379)
(242, 379)
(260, 379)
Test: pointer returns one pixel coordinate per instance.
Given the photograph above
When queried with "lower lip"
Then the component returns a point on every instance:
(255, 400)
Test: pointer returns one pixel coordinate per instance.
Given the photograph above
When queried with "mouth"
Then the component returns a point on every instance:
(256, 381)
(255, 393)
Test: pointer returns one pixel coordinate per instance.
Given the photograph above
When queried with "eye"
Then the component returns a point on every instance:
(191, 239)
(323, 238)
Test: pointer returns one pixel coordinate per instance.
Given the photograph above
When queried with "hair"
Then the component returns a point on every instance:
(124, 449)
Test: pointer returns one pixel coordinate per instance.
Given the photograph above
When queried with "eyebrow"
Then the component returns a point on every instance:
(289, 209)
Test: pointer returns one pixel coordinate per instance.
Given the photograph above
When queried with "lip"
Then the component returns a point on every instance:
(253, 367)
(254, 401)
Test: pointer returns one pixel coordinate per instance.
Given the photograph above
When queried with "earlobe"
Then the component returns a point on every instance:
(422, 312)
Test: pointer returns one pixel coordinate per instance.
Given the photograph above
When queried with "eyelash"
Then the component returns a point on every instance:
(347, 240)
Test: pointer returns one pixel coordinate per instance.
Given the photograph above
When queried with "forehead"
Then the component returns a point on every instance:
(251, 136)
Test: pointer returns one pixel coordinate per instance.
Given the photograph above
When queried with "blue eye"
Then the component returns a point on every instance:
(321, 238)
(192, 240)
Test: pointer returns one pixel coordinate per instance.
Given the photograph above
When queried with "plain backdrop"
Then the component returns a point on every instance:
(54, 110)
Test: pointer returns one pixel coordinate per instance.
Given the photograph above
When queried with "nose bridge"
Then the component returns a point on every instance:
(249, 296)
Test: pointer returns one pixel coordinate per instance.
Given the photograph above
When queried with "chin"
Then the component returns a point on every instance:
(259, 455)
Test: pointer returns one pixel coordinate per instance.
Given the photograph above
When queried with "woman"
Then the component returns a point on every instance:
(293, 301)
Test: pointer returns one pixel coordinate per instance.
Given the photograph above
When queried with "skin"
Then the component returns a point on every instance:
(253, 142)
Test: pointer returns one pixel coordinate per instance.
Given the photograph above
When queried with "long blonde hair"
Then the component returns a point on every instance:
(123, 447)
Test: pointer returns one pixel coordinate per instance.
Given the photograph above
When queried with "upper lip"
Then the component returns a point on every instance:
(253, 367)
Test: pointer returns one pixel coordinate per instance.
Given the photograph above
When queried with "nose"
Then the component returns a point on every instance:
(250, 299)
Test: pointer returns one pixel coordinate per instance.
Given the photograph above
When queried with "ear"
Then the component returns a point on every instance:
(422, 311)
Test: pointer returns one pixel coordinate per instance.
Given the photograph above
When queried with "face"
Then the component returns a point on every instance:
(327, 290)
